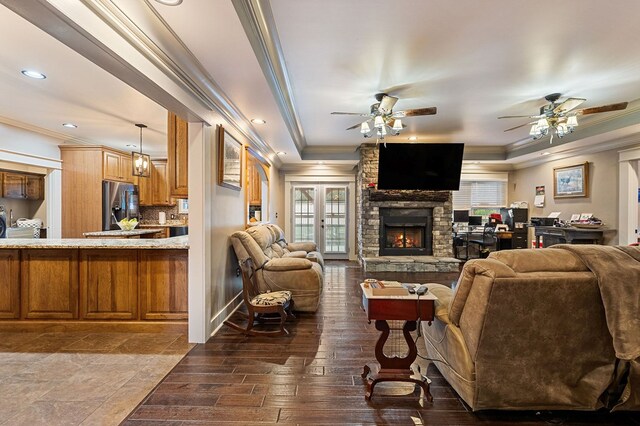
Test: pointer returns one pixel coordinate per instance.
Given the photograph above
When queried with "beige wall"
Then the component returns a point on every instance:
(276, 203)
(602, 199)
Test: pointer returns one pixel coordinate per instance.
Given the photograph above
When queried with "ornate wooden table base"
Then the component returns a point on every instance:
(404, 308)
(394, 369)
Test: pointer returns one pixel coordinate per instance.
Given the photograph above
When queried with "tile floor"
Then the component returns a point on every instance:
(81, 378)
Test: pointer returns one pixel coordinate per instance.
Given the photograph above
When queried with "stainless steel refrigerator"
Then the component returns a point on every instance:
(119, 201)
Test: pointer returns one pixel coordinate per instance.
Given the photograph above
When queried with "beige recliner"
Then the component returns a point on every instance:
(297, 267)
(532, 329)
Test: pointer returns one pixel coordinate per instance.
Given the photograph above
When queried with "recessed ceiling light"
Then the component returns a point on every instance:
(476, 162)
(413, 138)
(70, 125)
(170, 2)
(320, 162)
(545, 153)
(34, 74)
(281, 153)
(258, 121)
(130, 145)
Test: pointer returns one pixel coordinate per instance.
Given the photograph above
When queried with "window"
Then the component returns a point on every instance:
(481, 195)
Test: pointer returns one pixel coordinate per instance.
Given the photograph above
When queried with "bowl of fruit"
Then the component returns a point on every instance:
(128, 224)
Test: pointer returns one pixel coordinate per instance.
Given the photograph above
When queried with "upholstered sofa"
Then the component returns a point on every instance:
(297, 267)
(554, 328)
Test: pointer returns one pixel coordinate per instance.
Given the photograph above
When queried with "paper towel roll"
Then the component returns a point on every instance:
(162, 218)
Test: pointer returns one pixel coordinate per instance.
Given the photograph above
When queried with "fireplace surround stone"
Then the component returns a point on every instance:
(369, 201)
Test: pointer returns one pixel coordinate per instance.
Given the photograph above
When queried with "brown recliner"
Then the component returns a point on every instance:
(527, 329)
(296, 267)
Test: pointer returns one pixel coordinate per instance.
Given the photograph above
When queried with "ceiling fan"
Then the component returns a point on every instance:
(560, 116)
(385, 120)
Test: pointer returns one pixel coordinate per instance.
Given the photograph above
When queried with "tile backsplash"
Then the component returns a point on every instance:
(150, 213)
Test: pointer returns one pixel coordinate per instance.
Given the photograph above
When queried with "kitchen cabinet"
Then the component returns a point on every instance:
(108, 284)
(34, 187)
(163, 284)
(10, 284)
(154, 190)
(117, 166)
(22, 186)
(49, 284)
(160, 191)
(178, 153)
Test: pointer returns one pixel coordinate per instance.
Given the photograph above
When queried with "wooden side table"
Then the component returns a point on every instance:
(405, 308)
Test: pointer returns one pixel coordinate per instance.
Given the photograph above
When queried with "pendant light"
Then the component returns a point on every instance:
(140, 162)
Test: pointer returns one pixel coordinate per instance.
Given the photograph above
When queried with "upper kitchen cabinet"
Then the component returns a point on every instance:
(178, 153)
(154, 190)
(22, 186)
(117, 166)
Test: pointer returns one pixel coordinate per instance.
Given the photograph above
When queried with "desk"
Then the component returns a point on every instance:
(556, 235)
(503, 240)
(405, 308)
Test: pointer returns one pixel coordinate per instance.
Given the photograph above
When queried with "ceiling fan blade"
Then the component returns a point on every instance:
(568, 105)
(605, 108)
(415, 112)
(354, 126)
(522, 125)
(387, 103)
(350, 113)
(521, 116)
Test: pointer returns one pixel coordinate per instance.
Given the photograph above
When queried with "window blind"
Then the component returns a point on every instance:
(474, 193)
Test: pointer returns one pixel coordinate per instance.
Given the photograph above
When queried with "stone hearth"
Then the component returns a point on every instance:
(368, 204)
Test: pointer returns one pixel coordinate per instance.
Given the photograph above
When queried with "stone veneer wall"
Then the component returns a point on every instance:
(368, 215)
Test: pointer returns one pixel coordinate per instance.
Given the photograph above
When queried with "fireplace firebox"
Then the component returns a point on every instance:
(406, 232)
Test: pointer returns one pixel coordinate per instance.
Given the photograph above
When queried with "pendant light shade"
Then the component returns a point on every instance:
(140, 163)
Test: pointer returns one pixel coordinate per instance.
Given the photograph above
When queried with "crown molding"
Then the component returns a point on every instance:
(257, 20)
(46, 132)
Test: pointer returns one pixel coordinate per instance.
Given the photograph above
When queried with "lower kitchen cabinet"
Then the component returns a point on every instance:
(163, 284)
(109, 284)
(49, 284)
(9, 284)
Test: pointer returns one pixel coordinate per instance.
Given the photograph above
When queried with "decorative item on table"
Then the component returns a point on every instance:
(34, 223)
(586, 221)
(371, 185)
(128, 224)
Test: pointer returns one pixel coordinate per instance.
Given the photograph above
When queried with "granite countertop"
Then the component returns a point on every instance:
(169, 224)
(181, 242)
(120, 233)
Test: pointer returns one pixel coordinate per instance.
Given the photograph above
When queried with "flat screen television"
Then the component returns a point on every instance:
(426, 166)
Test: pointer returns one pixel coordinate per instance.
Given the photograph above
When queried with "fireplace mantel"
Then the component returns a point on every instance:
(408, 195)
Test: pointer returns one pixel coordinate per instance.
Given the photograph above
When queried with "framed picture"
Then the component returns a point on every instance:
(229, 160)
(571, 181)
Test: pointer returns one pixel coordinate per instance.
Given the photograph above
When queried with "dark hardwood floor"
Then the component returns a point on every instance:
(312, 376)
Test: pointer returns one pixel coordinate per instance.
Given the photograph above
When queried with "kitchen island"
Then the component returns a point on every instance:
(94, 284)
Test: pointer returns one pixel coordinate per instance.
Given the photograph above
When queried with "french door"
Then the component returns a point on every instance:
(319, 213)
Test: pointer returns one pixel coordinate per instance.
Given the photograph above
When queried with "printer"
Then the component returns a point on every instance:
(543, 221)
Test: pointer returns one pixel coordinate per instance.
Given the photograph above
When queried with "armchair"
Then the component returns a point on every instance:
(277, 268)
(531, 329)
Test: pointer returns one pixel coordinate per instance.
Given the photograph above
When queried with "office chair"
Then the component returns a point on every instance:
(486, 241)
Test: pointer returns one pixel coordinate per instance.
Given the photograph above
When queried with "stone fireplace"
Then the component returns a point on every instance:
(405, 232)
(401, 230)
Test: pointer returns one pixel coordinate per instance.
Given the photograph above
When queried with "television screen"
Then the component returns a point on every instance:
(427, 166)
(461, 216)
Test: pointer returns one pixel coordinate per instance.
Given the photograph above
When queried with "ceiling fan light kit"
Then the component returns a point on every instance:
(560, 118)
(384, 121)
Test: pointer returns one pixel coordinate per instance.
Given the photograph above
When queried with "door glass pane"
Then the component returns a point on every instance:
(303, 214)
(335, 220)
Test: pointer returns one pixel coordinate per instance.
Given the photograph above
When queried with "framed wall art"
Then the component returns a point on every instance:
(229, 160)
(571, 181)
